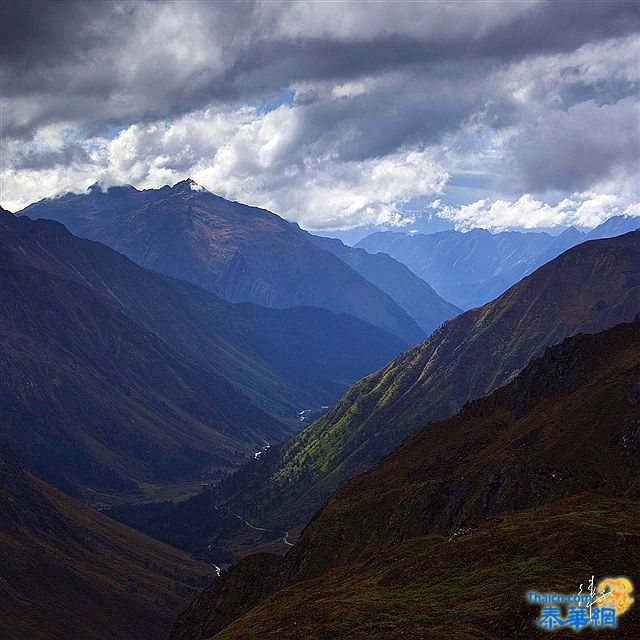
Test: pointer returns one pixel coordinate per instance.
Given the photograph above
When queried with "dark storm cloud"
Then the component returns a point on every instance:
(399, 110)
(30, 157)
(570, 150)
(90, 62)
(38, 35)
(380, 102)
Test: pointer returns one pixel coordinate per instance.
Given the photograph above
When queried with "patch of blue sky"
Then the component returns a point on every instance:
(114, 131)
(275, 100)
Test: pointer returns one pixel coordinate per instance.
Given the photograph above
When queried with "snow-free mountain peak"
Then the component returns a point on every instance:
(241, 253)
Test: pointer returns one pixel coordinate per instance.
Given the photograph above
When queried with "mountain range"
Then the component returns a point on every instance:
(412, 293)
(474, 267)
(67, 572)
(539, 479)
(99, 318)
(588, 288)
(162, 365)
(240, 253)
(285, 360)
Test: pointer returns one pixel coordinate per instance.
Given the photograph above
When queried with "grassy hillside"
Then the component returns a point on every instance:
(469, 587)
(589, 288)
(68, 572)
(536, 486)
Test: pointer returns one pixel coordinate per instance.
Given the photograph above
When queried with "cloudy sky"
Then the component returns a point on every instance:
(338, 115)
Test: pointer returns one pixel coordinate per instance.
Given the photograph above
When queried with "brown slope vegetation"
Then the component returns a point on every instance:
(470, 587)
(67, 572)
(589, 288)
(568, 424)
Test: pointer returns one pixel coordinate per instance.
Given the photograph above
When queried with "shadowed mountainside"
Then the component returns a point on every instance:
(285, 360)
(590, 287)
(67, 572)
(466, 587)
(96, 404)
(539, 482)
(412, 293)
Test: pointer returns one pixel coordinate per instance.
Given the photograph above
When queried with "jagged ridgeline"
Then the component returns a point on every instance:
(471, 268)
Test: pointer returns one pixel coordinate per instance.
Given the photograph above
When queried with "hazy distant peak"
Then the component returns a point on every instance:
(571, 232)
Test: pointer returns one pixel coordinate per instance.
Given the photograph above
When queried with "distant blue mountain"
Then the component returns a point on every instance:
(472, 268)
(615, 226)
(240, 253)
(412, 293)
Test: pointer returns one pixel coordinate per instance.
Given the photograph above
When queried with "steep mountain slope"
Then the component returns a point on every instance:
(95, 403)
(568, 423)
(586, 289)
(413, 294)
(68, 572)
(285, 360)
(469, 269)
(590, 287)
(563, 439)
(465, 587)
(241, 253)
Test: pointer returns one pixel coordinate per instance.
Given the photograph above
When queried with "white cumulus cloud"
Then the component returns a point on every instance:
(580, 210)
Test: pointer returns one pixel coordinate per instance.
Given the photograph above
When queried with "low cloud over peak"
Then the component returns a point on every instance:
(332, 123)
